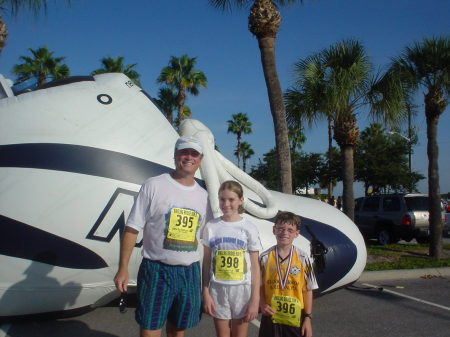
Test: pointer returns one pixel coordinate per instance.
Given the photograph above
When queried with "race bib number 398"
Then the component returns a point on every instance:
(183, 224)
(229, 265)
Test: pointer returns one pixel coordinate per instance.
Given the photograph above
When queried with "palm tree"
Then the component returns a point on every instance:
(167, 102)
(300, 110)
(41, 66)
(296, 137)
(187, 113)
(264, 21)
(425, 66)
(181, 76)
(239, 125)
(246, 153)
(335, 83)
(13, 6)
(111, 65)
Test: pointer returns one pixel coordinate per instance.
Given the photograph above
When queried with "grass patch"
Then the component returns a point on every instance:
(396, 256)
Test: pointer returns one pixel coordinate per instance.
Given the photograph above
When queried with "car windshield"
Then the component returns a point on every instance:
(417, 203)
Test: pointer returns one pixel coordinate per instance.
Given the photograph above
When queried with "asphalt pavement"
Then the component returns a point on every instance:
(398, 303)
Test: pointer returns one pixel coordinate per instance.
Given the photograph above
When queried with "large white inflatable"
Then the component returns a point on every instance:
(73, 155)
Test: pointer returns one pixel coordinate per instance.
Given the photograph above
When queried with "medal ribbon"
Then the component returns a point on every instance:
(288, 268)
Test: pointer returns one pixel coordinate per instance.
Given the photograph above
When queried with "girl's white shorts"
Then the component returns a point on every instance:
(230, 300)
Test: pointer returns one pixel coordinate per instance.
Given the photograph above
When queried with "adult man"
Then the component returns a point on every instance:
(170, 209)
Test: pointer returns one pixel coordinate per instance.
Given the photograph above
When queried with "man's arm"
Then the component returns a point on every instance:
(208, 303)
(126, 248)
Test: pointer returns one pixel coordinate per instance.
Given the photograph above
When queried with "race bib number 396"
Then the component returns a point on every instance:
(183, 224)
(288, 310)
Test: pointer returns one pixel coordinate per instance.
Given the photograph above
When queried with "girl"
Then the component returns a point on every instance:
(231, 276)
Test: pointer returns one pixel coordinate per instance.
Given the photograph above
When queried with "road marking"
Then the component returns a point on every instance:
(4, 330)
(408, 297)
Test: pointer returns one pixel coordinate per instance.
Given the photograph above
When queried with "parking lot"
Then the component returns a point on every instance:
(387, 304)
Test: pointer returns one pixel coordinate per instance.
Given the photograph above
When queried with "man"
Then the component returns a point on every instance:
(170, 209)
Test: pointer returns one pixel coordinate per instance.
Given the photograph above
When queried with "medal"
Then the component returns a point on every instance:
(283, 280)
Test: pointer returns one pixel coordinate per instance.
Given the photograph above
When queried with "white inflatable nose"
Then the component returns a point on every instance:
(216, 169)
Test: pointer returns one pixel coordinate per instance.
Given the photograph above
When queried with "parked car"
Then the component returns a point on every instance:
(392, 217)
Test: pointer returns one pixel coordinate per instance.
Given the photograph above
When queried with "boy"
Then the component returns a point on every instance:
(287, 281)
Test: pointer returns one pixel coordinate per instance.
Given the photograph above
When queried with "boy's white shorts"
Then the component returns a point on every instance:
(230, 300)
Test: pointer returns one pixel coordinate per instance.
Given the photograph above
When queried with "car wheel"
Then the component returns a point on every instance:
(384, 237)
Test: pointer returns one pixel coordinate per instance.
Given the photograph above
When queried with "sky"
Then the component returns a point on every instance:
(149, 32)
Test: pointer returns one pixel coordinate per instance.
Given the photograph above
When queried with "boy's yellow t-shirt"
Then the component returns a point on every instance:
(287, 301)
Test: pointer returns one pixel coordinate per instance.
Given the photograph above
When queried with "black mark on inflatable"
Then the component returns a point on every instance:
(340, 256)
(20, 240)
(104, 99)
(80, 159)
(112, 206)
(341, 252)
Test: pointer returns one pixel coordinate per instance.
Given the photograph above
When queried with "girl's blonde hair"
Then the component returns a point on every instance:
(235, 187)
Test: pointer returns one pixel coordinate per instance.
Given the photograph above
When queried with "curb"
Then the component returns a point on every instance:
(381, 275)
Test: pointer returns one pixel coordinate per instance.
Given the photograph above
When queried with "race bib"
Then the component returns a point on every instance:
(288, 310)
(183, 224)
(229, 265)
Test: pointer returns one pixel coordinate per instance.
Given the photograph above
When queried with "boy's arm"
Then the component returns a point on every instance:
(307, 309)
(208, 303)
(253, 305)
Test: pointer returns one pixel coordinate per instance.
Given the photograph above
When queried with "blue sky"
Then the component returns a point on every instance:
(149, 32)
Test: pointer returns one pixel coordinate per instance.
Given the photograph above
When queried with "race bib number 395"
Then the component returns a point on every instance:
(183, 224)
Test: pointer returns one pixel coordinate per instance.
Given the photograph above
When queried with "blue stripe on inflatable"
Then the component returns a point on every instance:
(339, 259)
(341, 255)
(80, 159)
(26, 242)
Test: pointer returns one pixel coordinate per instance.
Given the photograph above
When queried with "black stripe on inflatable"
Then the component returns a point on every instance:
(80, 159)
(26, 242)
(341, 255)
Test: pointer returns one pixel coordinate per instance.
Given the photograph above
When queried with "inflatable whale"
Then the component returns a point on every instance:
(73, 154)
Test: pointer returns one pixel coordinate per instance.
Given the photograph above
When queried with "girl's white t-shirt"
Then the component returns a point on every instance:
(230, 243)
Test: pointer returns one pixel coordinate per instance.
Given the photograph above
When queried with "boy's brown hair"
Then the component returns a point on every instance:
(283, 217)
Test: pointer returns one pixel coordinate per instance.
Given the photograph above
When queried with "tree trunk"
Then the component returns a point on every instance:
(180, 98)
(267, 49)
(238, 150)
(3, 33)
(41, 79)
(169, 116)
(348, 177)
(330, 157)
(432, 114)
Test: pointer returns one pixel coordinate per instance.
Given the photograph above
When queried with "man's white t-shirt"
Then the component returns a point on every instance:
(171, 215)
